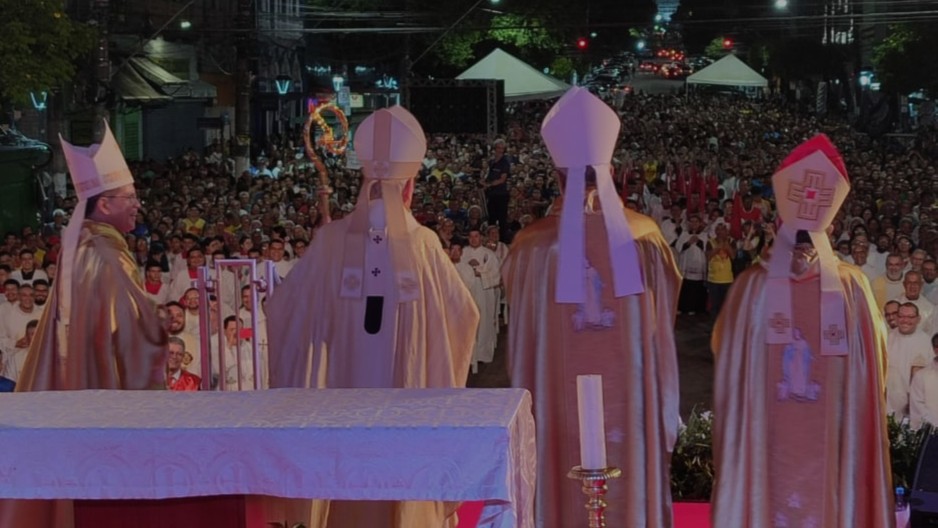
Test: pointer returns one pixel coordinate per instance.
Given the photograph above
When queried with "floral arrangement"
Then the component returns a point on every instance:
(905, 444)
(692, 460)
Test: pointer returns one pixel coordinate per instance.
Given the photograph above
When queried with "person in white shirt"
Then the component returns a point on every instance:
(183, 277)
(891, 314)
(13, 355)
(929, 276)
(478, 267)
(11, 295)
(5, 272)
(494, 242)
(276, 251)
(888, 286)
(27, 271)
(176, 323)
(237, 352)
(883, 245)
(154, 286)
(17, 316)
(923, 397)
(912, 282)
(672, 225)
(40, 292)
(692, 261)
(916, 259)
(907, 349)
(246, 315)
(190, 302)
(859, 257)
(660, 208)
(11, 291)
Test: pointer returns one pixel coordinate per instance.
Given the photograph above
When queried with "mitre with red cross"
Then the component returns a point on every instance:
(810, 186)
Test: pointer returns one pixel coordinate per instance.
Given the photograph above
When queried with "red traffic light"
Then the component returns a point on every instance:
(582, 43)
(727, 43)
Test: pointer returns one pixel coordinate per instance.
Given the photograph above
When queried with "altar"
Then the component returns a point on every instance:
(350, 444)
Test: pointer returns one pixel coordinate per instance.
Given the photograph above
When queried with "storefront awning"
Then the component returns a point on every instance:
(131, 87)
(169, 84)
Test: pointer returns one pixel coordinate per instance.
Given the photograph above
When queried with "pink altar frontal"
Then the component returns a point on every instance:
(163, 455)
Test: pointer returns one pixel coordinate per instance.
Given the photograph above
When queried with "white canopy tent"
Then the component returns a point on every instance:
(729, 71)
(522, 81)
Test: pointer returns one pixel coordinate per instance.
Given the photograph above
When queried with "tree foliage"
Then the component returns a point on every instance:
(905, 60)
(526, 36)
(39, 46)
(715, 49)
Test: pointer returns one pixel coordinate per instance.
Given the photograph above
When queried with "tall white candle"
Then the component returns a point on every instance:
(589, 391)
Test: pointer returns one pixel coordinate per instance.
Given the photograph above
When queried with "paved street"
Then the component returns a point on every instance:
(655, 84)
(694, 361)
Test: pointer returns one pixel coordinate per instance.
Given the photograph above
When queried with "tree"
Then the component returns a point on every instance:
(903, 60)
(525, 36)
(39, 46)
(562, 68)
(716, 49)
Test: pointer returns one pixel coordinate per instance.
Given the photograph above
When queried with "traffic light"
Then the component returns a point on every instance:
(727, 43)
(582, 43)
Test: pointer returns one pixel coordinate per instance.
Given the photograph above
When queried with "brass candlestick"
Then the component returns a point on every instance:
(594, 487)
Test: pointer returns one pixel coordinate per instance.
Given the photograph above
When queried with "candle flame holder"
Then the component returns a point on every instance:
(594, 487)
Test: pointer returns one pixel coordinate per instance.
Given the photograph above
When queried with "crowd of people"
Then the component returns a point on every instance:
(700, 167)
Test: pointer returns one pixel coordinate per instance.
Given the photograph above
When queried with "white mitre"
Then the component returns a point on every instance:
(580, 131)
(94, 169)
(378, 259)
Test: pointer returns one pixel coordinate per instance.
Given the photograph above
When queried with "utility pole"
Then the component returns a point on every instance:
(244, 47)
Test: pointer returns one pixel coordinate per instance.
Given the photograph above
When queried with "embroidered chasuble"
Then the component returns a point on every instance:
(800, 437)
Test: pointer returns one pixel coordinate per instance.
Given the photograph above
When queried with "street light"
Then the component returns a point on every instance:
(283, 84)
(781, 4)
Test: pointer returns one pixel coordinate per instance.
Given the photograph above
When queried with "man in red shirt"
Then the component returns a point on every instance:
(178, 378)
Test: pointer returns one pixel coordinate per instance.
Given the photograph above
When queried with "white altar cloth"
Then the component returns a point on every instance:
(353, 444)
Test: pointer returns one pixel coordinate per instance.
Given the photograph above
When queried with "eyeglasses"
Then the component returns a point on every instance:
(131, 197)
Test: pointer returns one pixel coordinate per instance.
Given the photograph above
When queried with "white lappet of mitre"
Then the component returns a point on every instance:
(379, 258)
(580, 131)
(810, 186)
(94, 170)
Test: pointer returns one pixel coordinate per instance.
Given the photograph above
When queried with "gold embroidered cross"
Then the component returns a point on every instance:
(833, 334)
(811, 195)
(779, 322)
(351, 282)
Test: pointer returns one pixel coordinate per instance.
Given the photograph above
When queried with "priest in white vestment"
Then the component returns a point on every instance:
(913, 283)
(13, 353)
(495, 243)
(479, 268)
(923, 400)
(888, 286)
(375, 303)
(907, 349)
